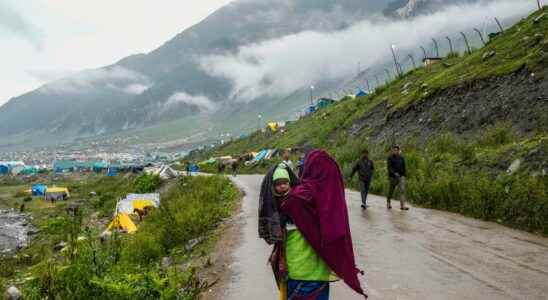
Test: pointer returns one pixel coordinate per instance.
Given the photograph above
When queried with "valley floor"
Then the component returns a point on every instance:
(419, 254)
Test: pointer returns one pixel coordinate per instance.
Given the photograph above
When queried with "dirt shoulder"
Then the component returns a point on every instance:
(220, 258)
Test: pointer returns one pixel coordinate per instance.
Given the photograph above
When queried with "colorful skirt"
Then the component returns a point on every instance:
(307, 290)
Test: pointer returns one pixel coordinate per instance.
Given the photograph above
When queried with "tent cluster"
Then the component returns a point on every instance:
(67, 166)
(132, 204)
(19, 168)
(50, 193)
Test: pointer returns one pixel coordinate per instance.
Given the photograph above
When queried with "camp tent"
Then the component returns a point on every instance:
(273, 126)
(122, 222)
(28, 170)
(57, 193)
(166, 172)
(39, 190)
(60, 166)
(324, 102)
(361, 93)
(16, 170)
(4, 169)
(112, 171)
(310, 109)
(137, 201)
(99, 166)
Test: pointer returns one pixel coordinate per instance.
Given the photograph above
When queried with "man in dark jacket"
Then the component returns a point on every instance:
(396, 175)
(365, 168)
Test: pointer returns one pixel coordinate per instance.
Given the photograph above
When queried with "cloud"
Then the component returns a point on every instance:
(280, 66)
(202, 102)
(112, 77)
(49, 75)
(135, 88)
(12, 22)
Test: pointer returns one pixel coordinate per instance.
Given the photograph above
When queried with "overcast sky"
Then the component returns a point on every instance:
(43, 40)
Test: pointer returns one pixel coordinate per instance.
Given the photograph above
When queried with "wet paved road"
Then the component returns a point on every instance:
(420, 254)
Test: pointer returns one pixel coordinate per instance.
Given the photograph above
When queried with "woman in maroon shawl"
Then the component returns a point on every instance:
(317, 207)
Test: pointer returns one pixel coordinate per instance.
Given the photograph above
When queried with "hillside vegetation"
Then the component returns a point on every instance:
(154, 263)
(461, 123)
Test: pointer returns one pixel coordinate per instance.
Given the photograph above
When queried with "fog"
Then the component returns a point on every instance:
(281, 66)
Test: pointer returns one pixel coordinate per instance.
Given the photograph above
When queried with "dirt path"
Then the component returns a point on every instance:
(420, 254)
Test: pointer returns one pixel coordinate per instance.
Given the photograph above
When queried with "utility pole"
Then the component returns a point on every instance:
(450, 44)
(480, 35)
(436, 47)
(311, 95)
(392, 48)
(412, 60)
(259, 122)
(466, 41)
(367, 84)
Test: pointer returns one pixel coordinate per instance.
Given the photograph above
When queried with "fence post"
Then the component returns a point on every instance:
(466, 41)
(450, 44)
(480, 35)
(498, 23)
(424, 52)
(436, 47)
(413, 60)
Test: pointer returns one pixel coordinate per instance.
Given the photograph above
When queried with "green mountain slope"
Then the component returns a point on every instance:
(462, 123)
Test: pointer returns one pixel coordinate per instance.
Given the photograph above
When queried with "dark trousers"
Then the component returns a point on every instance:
(397, 182)
(364, 190)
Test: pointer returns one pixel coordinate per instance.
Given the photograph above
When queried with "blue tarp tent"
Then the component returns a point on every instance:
(310, 109)
(60, 166)
(4, 169)
(361, 93)
(39, 190)
(112, 171)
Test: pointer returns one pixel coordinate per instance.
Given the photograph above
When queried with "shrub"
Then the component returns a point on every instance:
(147, 183)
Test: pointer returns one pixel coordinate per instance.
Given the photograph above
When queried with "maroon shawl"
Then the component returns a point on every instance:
(318, 207)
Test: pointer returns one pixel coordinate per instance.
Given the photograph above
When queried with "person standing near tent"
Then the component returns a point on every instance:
(396, 176)
(287, 161)
(308, 225)
(365, 168)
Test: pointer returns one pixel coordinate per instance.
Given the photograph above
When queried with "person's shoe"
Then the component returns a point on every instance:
(364, 207)
(389, 207)
(404, 208)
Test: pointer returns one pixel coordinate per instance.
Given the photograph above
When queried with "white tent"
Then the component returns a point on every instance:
(166, 172)
(126, 205)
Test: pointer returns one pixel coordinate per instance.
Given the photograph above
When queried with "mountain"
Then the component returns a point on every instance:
(169, 83)
(413, 8)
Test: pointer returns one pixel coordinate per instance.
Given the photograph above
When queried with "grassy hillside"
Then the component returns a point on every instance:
(125, 266)
(461, 122)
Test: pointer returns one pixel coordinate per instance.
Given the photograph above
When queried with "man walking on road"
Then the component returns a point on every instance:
(396, 175)
(365, 168)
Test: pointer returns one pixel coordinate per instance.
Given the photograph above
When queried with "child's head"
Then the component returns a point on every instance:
(281, 180)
